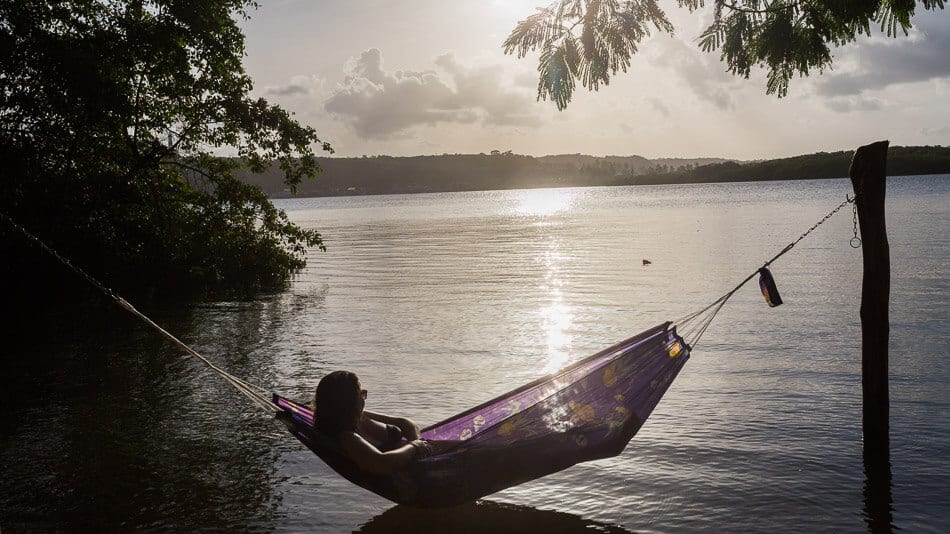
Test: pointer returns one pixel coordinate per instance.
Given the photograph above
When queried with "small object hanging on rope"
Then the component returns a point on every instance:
(768, 287)
(598, 404)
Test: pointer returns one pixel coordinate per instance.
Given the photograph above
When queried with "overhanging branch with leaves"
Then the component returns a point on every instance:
(587, 41)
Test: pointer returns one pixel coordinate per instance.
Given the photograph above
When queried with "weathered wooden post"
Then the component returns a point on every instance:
(868, 178)
(868, 172)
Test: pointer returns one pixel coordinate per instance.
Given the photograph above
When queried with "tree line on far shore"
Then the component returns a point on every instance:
(475, 172)
(901, 161)
(376, 175)
(113, 158)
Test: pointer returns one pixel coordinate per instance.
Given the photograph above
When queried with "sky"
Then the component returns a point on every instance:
(413, 77)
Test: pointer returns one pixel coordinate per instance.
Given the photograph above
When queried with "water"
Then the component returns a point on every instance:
(442, 301)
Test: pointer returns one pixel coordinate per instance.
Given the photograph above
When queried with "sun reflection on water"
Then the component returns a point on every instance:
(557, 318)
(542, 202)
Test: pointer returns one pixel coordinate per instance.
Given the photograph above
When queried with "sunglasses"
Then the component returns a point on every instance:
(363, 393)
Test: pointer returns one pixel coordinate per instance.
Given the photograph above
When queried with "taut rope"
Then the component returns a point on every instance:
(695, 332)
(258, 395)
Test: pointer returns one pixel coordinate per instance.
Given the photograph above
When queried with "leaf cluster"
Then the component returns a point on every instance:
(584, 41)
(112, 118)
(789, 37)
(590, 40)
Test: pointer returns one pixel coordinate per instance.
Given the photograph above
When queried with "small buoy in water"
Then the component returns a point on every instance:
(647, 262)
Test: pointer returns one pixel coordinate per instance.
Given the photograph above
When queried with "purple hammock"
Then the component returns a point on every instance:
(587, 411)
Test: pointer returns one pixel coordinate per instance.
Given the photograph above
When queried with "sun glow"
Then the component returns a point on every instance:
(543, 202)
(512, 11)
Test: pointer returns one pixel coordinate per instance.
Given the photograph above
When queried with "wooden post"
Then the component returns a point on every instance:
(868, 171)
(867, 177)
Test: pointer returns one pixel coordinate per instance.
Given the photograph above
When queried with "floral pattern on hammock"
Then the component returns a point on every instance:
(587, 411)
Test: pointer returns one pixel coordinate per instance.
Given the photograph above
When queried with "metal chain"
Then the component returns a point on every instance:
(721, 301)
(855, 241)
(790, 246)
(848, 200)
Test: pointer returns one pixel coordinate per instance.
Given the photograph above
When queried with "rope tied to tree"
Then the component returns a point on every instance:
(258, 395)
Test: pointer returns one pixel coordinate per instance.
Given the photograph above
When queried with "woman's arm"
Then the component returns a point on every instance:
(410, 430)
(370, 459)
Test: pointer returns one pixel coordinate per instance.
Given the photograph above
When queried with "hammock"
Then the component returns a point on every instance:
(587, 411)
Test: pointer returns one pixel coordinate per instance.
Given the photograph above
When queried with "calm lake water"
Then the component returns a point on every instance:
(441, 301)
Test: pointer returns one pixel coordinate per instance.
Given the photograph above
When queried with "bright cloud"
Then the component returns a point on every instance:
(675, 100)
(380, 104)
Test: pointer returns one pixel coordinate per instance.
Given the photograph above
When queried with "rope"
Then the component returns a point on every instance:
(258, 395)
(699, 328)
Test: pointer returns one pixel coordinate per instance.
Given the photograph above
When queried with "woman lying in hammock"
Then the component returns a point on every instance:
(376, 443)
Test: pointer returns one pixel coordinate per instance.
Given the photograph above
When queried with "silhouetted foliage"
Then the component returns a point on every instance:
(588, 41)
(110, 117)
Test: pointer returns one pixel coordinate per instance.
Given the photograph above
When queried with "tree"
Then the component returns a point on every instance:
(588, 41)
(113, 120)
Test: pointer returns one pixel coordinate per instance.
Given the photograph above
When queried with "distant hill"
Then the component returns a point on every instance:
(503, 170)
(901, 161)
(465, 172)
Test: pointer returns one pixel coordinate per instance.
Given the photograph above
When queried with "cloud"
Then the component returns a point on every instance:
(527, 79)
(380, 104)
(881, 62)
(943, 131)
(868, 64)
(659, 106)
(298, 85)
(481, 88)
(845, 104)
(702, 73)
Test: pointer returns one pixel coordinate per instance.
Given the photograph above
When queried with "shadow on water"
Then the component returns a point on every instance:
(878, 501)
(105, 424)
(482, 516)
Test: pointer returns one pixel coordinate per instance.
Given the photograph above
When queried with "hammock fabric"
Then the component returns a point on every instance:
(587, 411)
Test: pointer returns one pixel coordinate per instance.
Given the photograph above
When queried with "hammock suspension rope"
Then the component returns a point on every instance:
(257, 395)
(690, 331)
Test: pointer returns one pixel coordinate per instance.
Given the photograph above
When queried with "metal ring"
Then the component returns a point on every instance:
(855, 242)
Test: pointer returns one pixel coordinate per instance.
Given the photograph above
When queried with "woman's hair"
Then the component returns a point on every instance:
(337, 403)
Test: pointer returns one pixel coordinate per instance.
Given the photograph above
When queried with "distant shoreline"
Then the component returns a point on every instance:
(286, 196)
(381, 175)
